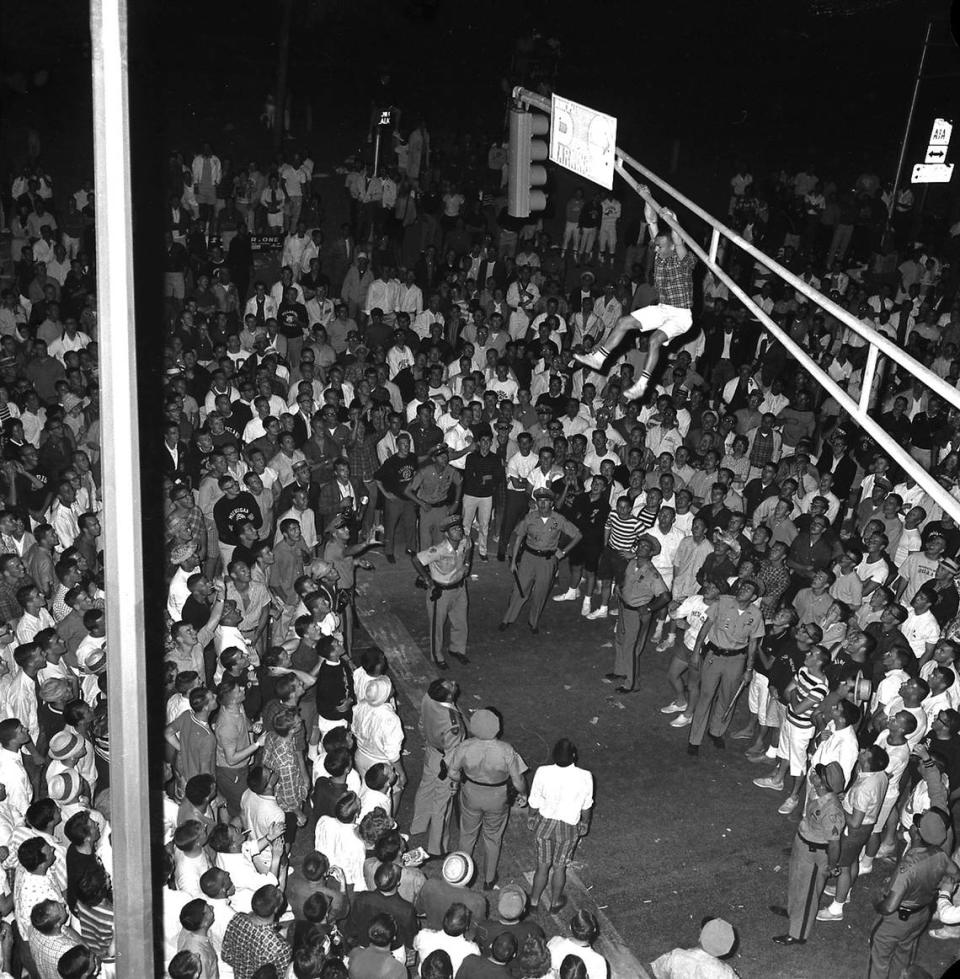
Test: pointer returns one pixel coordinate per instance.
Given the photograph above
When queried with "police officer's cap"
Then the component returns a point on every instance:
(652, 541)
(544, 493)
(439, 450)
(451, 522)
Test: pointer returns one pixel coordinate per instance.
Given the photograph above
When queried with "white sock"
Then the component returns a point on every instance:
(836, 907)
(771, 752)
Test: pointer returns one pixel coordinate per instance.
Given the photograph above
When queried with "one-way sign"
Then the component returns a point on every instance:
(936, 154)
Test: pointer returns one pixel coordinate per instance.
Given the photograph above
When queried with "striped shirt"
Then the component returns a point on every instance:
(623, 532)
(96, 926)
(808, 686)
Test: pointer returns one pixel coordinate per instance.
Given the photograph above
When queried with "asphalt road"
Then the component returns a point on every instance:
(673, 839)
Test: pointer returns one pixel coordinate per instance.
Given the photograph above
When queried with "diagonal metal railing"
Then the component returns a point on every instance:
(877, 343)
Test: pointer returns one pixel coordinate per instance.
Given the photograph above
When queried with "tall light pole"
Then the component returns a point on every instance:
(283, 65)
(906, 129)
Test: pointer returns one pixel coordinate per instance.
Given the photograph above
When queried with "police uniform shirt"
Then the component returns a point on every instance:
(641, 584)
(732, 627)
(442, 724)
(433, 486)
(447, 563)
(543, 533)
(918, 876)
(489, 762)
(823, 819)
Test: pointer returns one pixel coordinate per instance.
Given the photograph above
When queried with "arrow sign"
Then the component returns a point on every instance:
(936, 154)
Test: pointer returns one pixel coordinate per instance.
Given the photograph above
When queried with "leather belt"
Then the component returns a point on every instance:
(812, 846)
(717, 651)
(456, 584)
(536, 553)
(487, 785)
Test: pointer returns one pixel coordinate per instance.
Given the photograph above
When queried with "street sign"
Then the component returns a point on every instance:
(936, 154)
(940, 133)
(932, 173)
(583, 140)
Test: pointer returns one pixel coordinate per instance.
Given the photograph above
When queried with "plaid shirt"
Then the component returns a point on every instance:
(363, 457)
(193, 521)
(774, 581)
(280, 754)
(247, 945)
(673, 277)
(47, 950)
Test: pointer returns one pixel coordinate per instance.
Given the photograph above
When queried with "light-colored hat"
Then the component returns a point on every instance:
(717, 937)
(378, 690)
(458, 869)
(512, 901)
(64, 787)
(96, 661)
(654, 544)
(64, 744)
(181, 552)
(484, 724)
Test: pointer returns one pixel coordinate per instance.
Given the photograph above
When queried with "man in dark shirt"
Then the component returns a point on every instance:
(810, 552)
(482, 474)
(366, 905)
(426, 434)
(399, 512)
(887, 635)
(234, 508)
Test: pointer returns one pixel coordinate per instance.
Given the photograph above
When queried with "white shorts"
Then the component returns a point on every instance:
(888, 803)
(792, 746)
(673, 321)
(758, 693)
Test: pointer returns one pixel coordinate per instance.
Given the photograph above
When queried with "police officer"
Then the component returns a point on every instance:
(448, 566)
(431, 489)
(443, 729)
(487, 767)
(728, 644)
(906, 907)
(538, 535)
(642, 594)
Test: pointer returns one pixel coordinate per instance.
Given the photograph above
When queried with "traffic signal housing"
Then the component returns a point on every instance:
(524, 156)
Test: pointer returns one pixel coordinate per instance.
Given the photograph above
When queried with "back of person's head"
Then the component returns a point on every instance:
(308, 960)
(382, 930)
(457, 919)
(377, 776)
(93, 886)
(42, 814)
(584, 927)
(337, 762)
(315, 908)
(185, 965)
(373, 826)
(266, 901)
(185, 681)
(191, 914)
(504, 947)
(335, 738)
(315, 866)
(9, 730)
(564, 753)
(266, 971)
(534, 958)
(45, 917)
(347, 807)
(389, 846)
(32, 853)
(333, 969)
(387, 877)
(78, 827)
(77, 963)
(285, 685)
(258, 778)
(199, 789)
(188, 834)
(573, 967)
(437, 965)
(198, 698)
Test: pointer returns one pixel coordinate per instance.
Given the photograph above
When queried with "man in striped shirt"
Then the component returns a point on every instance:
(620, 537)
(804, 696)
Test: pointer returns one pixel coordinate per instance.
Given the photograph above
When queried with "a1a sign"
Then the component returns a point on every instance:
(939, 141)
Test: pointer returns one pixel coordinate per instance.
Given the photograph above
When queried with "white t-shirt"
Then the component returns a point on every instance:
(561, 793)
(919, 630)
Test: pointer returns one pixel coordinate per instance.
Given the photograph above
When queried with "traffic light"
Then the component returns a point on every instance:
(524, 172)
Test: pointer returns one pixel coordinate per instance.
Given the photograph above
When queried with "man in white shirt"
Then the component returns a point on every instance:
(399, 356)
(839, 740)
(920, 628)
(294, 247)
(411, 297)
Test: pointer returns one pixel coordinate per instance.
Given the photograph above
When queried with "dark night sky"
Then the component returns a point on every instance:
(774, 82)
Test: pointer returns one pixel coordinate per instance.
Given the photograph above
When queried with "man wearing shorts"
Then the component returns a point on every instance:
(670, 318)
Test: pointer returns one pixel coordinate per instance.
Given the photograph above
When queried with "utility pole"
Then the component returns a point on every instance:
(283, 62)
(906, 130)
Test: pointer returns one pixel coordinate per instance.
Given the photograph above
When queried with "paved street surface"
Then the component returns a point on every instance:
(673, 839)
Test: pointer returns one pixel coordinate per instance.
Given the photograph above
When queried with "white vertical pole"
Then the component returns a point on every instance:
(869, 373)
(126, 661)
(714, 244)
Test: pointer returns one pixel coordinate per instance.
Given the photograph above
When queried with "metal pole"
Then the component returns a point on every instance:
(869, 373)
(376, 150)
(714, 244)
(909, 125)
(889, 444)
(126, 662)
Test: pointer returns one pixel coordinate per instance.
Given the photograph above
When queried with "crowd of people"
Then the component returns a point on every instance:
(442, 384)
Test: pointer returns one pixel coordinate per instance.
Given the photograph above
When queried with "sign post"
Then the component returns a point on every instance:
(935, 169)
(583, 140)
